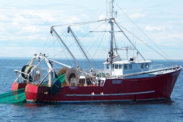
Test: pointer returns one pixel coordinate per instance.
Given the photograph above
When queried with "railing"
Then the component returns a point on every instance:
(157, 66)
(19, 78)
(160, 70)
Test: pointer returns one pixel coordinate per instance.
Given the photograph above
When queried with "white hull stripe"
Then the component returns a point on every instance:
(95, 101)
(118, 94)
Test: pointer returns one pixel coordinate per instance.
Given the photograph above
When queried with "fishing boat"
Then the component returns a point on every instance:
(120, 80)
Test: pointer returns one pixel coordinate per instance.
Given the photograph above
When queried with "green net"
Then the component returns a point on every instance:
(19, 95)
(13, 96)
(60, 77)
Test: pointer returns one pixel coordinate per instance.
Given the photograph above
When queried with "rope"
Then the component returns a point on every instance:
(63, 49)
(75, 42)
(146, 44)
(81, 23)
(100, 41)
(45, 42)
(90, 32)
(81, 44)
(90, 48)
(52, 44)
(61, 46)
(148, 37)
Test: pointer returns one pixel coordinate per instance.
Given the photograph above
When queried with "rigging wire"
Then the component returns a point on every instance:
(100, 42)
(96, 40)
(90, 32)
(83, 46)
(63, 49)
(90, 55)
(45, 42)
(52, 44)
(106, 7)
(115, 44)
(81, 38)
(123, 42)
(108, 46)
(80, 23)
(147, 36)
(147, 44)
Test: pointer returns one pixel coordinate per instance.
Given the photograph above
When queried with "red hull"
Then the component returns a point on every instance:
(152, 88)
(16, 86)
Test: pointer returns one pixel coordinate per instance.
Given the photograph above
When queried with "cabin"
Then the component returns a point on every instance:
(127, 66)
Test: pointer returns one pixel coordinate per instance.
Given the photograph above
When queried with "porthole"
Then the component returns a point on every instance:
(147, 65)
(142, 65)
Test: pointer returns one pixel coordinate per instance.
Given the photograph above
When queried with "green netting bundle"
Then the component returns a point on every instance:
(60, 77)
(13, 96)
(19, 95)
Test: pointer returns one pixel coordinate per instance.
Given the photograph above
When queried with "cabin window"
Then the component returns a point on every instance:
(107, 66)
(142, 65)
(120, 66)
(147, 66)
(130, 66)
(125, 67)
(116, 66)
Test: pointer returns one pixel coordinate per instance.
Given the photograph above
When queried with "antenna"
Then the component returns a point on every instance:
(106, 8)
(116, 14)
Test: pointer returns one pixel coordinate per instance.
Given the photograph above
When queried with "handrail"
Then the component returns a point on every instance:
(157, 65)
(145, 72)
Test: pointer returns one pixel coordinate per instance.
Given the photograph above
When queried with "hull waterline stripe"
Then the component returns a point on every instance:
(118, 94)
(96, 101)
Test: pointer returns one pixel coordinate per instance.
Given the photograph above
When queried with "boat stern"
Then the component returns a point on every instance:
(16, 86)
(31, 92)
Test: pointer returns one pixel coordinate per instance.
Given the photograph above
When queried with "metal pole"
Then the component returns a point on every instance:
(44, 78)
(53, 30)
(60, 63)
(111, 53)
(77, 40)
(129, 40)
(30, 63)
(50, 77)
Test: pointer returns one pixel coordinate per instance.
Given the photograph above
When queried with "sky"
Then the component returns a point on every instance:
(25, 27)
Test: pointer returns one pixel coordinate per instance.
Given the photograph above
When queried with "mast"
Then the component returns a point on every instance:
(111, 22)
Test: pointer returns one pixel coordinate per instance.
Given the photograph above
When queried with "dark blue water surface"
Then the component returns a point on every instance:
(166, 111)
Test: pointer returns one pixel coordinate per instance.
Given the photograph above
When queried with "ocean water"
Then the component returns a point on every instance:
(153, 111)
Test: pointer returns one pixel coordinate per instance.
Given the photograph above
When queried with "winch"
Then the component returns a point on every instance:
(31, 73)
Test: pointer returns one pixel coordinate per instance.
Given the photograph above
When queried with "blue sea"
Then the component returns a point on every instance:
(153, 111)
